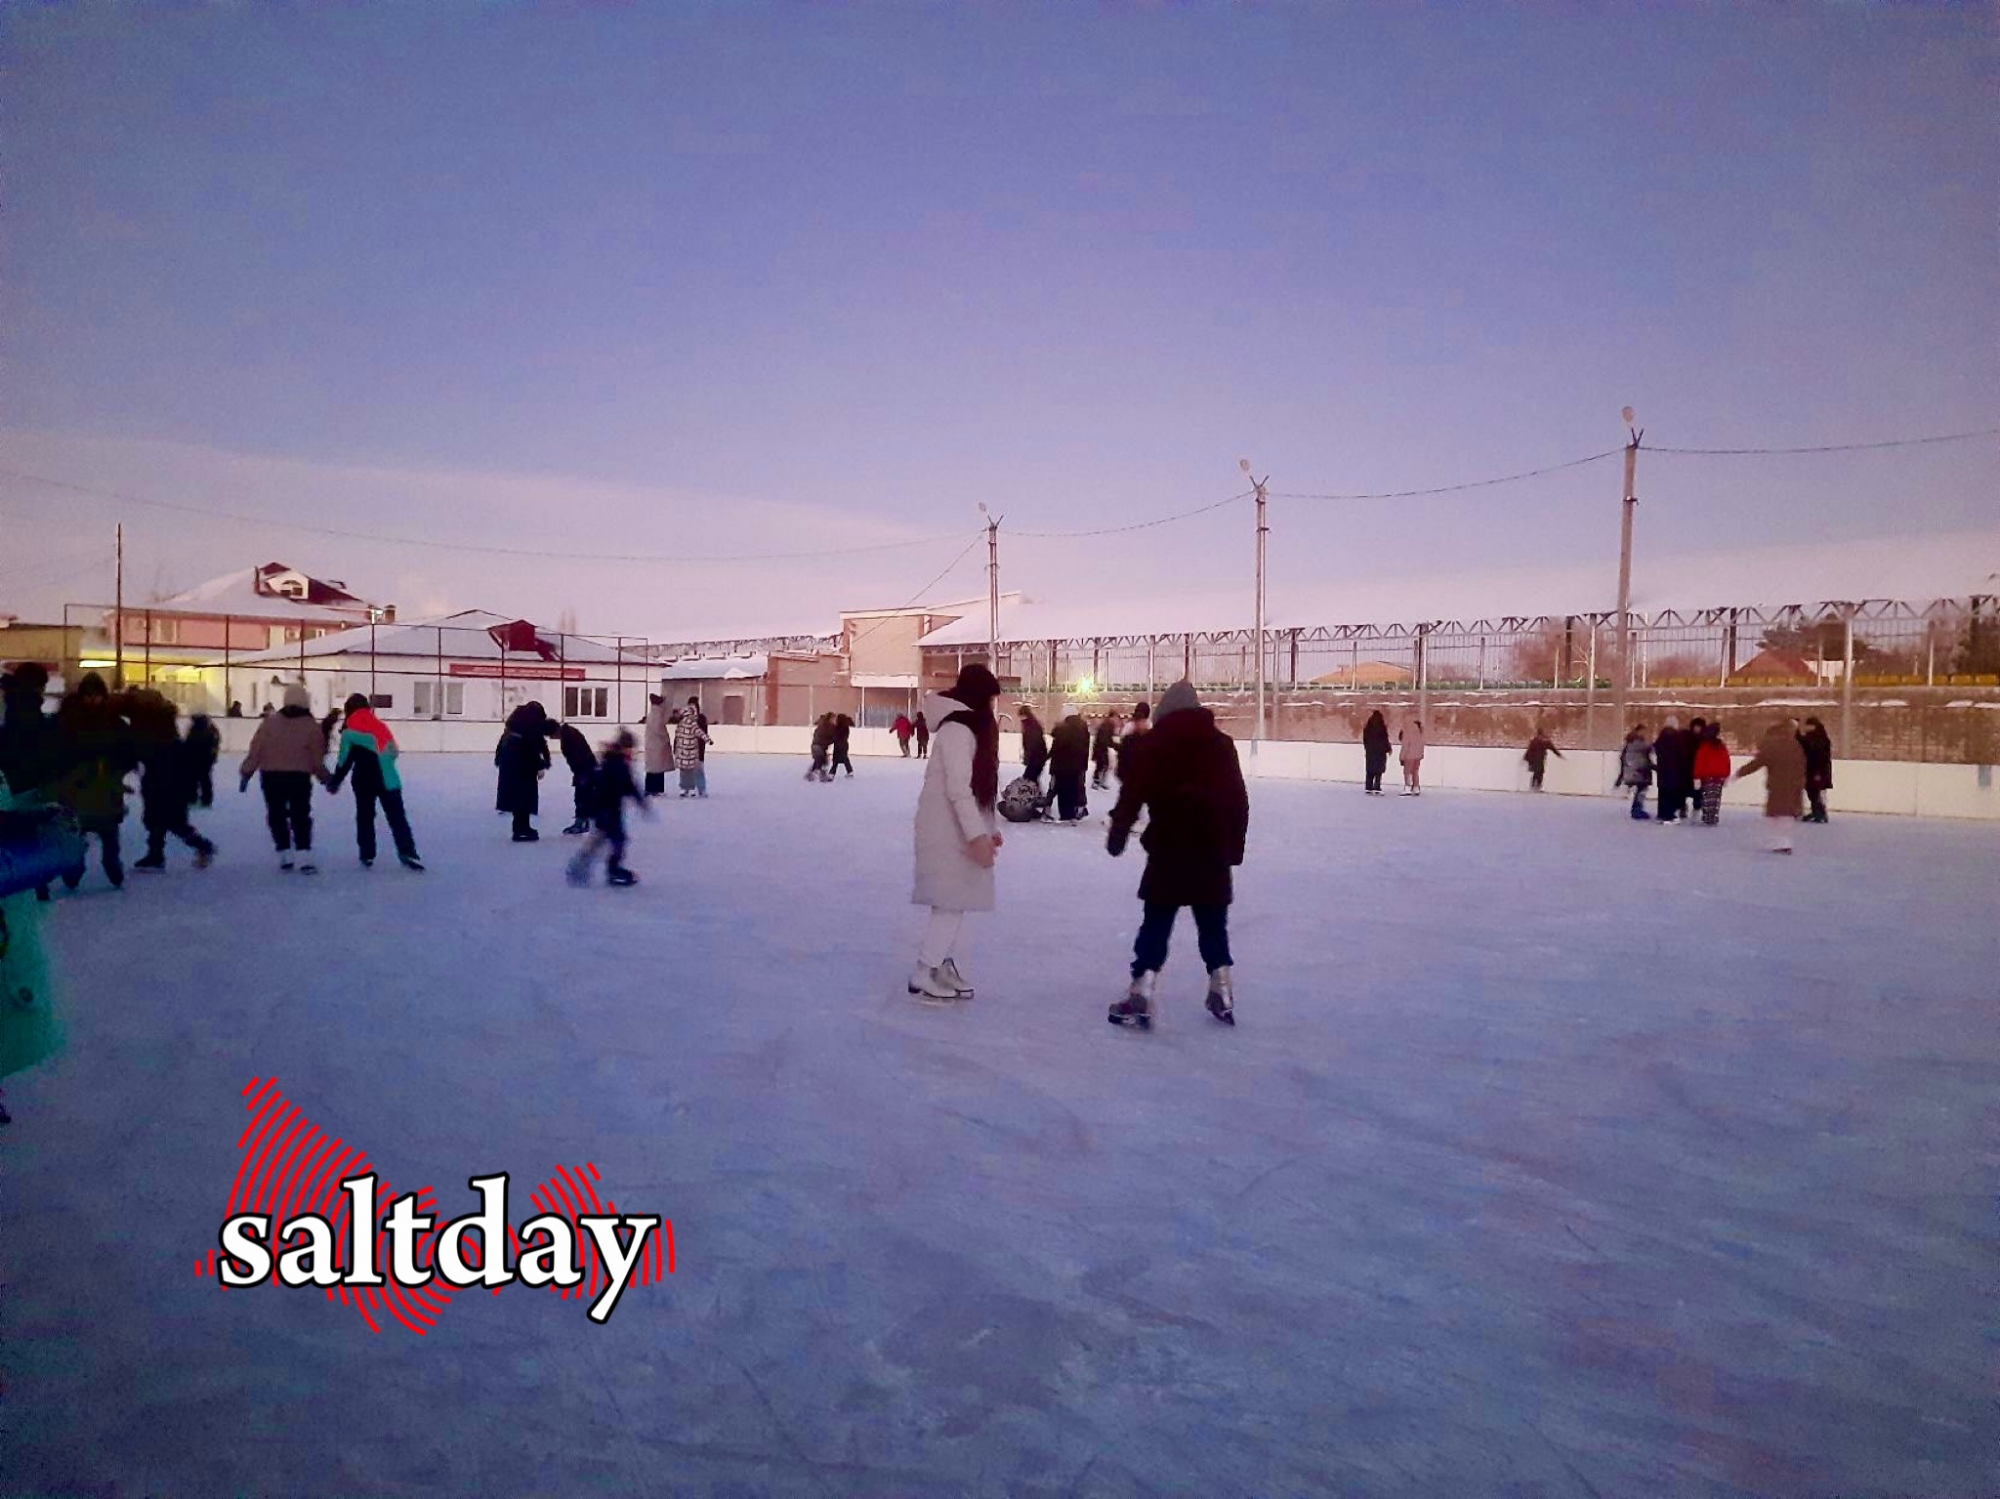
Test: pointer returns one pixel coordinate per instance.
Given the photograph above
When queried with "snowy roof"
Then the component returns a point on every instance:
(713, 669)
(1911, 568)
(237, 593)
(465, 638)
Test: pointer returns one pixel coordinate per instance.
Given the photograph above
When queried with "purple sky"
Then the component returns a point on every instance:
(718, 280)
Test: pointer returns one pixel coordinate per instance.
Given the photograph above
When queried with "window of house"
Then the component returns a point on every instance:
(586, 702)
(166, 631)
(381, 699)
(454, 697)
(423, 699)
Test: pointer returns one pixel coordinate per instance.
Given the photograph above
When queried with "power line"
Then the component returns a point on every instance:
(915, 597)
(466, 546)
(1833, 447)
(1410, 494)
(1164, 520)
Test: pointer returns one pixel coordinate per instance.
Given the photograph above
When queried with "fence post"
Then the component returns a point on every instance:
(149, 648)
(1590, 692)
(1847, 680)
(437, 692)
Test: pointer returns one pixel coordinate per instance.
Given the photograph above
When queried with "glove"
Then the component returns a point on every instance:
(243, 785)
(1114, 842)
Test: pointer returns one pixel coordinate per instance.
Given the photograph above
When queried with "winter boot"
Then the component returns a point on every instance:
(620, 876)
(579, 826)
(151, 863)
(948, 971)
(932, 987)
(1221, 998)
(284, 861)
(306, 866)
(1136, 1008)
(412, 863)
(528, 835)
(205, 856)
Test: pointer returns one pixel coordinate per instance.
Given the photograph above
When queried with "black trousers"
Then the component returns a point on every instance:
(107, 850)
(1816, 796)
(923, 749)
(204, 786)
(1673, 801)
(1211, 925)
(1376, 763)
(840, 759)
(656, 783)
(161, 822)
(399, 822)
(1069, 795)
(580, 783)
(1535, 774)
(523, 823)
(288, 808)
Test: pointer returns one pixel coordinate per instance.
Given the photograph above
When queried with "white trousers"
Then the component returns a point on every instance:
(940, 937)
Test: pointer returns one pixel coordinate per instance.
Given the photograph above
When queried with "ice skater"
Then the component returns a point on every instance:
(1540, 747)
(97, 750)
(902, 728)
(287, 754)
(1673, 764)
(31, 746)
(204, 742)
(611, 788)
(368, 754)
(1635, 769)
(843, 733)
(1135, 730)
(690, 745)
(822, 747)
(1411, 754)
(520, 758)
(1711, 771)
(1069, 762)
(1186, 777)
(29, 1031)
(166, 782)
(1374, 753)
(956, 835)
(1818, 747)
(659, 743)
(1101, 745)
(922, 729)
(582, 762)
(1034, 745)
(1783, 760)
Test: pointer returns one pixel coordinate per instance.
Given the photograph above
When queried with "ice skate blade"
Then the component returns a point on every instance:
(1131, 1022)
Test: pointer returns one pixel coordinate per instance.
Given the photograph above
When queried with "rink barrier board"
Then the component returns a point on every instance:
(1888, 787)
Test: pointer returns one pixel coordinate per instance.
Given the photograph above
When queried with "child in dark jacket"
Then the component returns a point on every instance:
(166, 782)
(368, 753)
(582, 763)
(611, 788)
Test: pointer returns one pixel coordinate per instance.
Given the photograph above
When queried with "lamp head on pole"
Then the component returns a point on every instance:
(1244, 464)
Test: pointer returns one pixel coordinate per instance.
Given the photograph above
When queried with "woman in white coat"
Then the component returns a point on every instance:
(659, 743)
(956, 834)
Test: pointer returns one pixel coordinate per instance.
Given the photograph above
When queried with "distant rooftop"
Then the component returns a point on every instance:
(273, 590)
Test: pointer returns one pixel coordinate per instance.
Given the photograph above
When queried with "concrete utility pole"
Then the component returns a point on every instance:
(1263, 530)
(1621, 686)
(118, 614)
(992, 591)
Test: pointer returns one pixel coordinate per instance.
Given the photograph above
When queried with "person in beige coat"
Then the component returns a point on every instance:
(1412, 756)
(659, 743)
(1783, 761)
(956, 836)
(287, 754)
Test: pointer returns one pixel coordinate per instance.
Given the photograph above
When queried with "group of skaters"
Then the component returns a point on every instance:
(1070, 752)
(1692, 766)
(601, 780)
(1175, 767)
(832, 747)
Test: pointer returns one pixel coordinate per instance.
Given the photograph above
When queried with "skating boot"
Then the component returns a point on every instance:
(368, 863)
(1221, 997)
(948, 971)
(308, 867)
(151, 863)
(931, 986)
(284, 863)
(1136, 1008)
(620, 877)
(412, 863)
(529, 836)
(579, 826)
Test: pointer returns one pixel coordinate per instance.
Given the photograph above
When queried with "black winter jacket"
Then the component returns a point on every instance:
(1185, 774)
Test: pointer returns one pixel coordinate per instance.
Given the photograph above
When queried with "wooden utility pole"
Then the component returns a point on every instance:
(1263, 531)
(992, 591)
(1621, 685)
(118, 614)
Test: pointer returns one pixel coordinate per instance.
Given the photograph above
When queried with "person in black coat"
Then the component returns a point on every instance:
(843, 731)
(1818, 745)
(1069, 760)
(1186, 777)
(166, 781)
(610, 788)
(1673, 766)
(1374, 752)
(1101, 745)
(1034, 745)
(582, 762)
(31, 747)
(1142, 718)
(204, 742)
(521, 757)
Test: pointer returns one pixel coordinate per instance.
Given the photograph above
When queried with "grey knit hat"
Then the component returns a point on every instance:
(1179, 698)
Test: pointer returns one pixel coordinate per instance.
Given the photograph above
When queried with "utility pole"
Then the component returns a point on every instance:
(1263, 530)
(118, 615)
(992, 591)
(1621, 686)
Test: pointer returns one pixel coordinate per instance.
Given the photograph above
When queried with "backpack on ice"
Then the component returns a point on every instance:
(1023, 801)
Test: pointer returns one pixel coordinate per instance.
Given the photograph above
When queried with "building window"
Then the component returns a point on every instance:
(381, 699)
(454, 697)
(423, 699)
(586, 702)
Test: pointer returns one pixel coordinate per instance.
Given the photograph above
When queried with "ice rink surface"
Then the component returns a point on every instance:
(1554, 1155)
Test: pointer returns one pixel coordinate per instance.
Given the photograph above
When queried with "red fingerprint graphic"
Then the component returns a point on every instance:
(291, 1168)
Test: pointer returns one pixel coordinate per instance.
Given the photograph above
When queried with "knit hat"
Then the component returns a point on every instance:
(296, 696)
(1179, 699)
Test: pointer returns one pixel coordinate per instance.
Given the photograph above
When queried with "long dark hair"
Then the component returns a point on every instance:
(975, 689)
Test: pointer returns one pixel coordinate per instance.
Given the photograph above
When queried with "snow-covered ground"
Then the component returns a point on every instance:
(1554, 1154)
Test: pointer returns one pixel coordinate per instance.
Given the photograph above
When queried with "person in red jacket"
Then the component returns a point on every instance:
(1711, 771)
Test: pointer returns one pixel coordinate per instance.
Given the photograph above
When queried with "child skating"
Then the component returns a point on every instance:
(1186, 777)
(611, 788)
(287, 754)
(368, 753)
